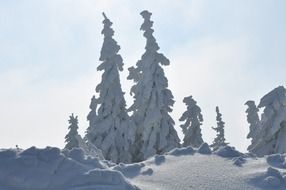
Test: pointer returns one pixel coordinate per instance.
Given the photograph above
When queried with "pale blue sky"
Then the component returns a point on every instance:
(222, 52)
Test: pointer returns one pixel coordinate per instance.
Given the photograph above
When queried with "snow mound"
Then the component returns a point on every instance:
(148, 171)
(181, 151)
(228, 152)
(204, 149)
(277, 160)
(238, 161)
(273, 178)
(51, 169)
(159, 159)
(129, 170)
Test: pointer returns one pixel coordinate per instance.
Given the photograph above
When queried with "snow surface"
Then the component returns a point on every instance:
(51, 169)
(180, 169)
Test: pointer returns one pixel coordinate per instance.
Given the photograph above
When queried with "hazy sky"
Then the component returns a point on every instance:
(222, 52)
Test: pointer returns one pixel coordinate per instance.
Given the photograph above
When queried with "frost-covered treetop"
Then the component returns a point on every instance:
(110, 47)
(252, 112)
(73, 121)
(219, 117)
(251, 104)
(147, 27)
(278, 93)
(189, 101)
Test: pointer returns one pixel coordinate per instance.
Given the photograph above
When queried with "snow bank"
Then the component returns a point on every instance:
(228, 152)
(51, 169)
(274, 178)
(204, 149)
(277, 160)
(129, 170)
(192, 169)
(182, 151)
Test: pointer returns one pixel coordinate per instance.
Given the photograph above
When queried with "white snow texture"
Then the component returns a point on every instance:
(51, 169)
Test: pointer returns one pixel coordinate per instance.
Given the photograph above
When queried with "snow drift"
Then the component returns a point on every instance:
(182, 168)
(52, 169)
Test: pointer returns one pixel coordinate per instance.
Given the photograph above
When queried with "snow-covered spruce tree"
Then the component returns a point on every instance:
(272, 134)
(71, 137)
(219, 140)
(110, 128)
(91, 117)
(191, 128)
(155, 133)
(254, 121)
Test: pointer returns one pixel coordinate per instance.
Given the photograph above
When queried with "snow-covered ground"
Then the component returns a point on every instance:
(203, 172)
(51, 169)
(180, 169)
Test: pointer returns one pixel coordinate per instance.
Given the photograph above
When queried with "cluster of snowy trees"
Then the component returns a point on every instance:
(146, 128)
(268, 134)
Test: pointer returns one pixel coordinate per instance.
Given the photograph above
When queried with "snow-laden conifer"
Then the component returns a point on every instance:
(219, 140)
(109, 124)
(254, 121)
(71, 137)
(193, 121)
(271, 138)
(155, 132)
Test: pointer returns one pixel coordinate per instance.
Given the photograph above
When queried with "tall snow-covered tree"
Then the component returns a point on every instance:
(219, 140)
(272, 134)
(192, 127)
(110, 128)
(71, 137)
(254, 121)
(155, 133)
